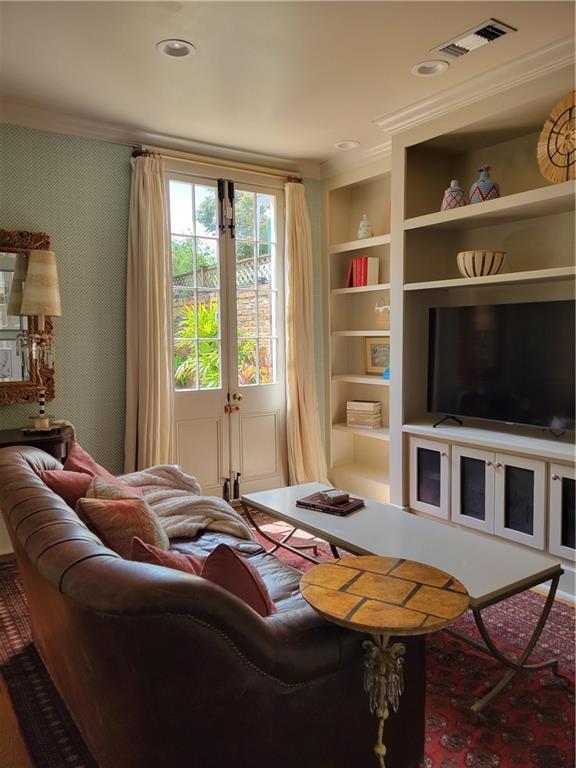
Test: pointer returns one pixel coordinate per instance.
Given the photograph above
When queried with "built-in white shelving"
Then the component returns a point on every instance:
(373, 481)
(523, 440)
(510, 278)
(543, 201)
(357, 245)
(357, 378)
(380, 433)
(361, 289)
(361, 333)
(357, 456)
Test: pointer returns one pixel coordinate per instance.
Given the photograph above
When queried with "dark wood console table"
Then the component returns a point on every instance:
(54, 442)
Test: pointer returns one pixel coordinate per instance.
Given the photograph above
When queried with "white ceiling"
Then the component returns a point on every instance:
(283, 78)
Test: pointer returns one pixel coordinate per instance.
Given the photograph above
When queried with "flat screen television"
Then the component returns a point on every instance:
(504, 362)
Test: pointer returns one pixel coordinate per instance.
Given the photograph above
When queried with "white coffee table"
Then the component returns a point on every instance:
(491, 569)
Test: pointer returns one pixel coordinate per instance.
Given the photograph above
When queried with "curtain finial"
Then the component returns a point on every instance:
(294, 180)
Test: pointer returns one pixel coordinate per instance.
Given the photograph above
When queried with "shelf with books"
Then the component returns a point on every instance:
(361, 289)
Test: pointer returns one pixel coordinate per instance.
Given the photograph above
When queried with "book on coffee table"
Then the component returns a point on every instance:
(314, 501)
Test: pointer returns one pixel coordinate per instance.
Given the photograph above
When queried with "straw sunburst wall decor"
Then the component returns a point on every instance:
(557, 143)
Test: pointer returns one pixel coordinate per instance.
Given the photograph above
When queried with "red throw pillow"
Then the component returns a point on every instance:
(235, 573)
(79, 460)
(146, 553)
(71, 486)
(118, 521)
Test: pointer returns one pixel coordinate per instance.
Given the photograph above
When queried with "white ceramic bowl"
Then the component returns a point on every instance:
(480, 263)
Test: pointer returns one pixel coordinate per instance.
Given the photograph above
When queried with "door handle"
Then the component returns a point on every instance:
(231, 408)
(237, 397)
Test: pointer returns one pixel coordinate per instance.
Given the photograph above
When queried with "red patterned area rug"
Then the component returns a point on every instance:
(530, 725)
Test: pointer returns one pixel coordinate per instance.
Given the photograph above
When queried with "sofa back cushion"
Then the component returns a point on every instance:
(118, 521)
(79, 460)
(224, 566)
(70, 486)
(147, 553)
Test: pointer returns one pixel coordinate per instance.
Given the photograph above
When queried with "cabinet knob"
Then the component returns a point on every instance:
(443, 453)
(498, 465)
(555, 477)
(488, 463)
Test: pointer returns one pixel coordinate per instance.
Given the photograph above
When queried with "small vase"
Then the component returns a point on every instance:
(484, 188)
(454, 196)
(364, 228)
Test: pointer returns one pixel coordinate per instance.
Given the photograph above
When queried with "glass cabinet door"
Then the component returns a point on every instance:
(520, 508)
(473, 488)
(429, 482)
(562, 511)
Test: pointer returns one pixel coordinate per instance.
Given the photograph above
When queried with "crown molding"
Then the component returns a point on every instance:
(355, 160)
(533, 65)
(16, 113)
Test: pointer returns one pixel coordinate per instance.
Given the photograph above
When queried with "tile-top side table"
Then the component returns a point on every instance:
(384, 597)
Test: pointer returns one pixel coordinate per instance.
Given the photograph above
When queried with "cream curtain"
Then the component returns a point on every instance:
(306, 459)
(149, 386)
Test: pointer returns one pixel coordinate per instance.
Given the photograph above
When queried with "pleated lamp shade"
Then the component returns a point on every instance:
(15, 297)
(41, 291)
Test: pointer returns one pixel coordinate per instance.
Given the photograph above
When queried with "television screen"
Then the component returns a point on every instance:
(504, 362)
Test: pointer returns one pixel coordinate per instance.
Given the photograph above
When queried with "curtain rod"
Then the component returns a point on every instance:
(276, 173)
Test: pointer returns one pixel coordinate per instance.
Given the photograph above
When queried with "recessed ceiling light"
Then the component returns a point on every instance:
(347, 144)
(175, 48)
(430, 68)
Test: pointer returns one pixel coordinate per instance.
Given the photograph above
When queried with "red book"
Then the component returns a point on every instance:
(349, 283)
(355, 273)
(364, 270)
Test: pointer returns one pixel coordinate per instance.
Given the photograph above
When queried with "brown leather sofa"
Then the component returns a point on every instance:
(161, 669)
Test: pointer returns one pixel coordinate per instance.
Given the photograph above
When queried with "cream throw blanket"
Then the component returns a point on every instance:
(182, 510)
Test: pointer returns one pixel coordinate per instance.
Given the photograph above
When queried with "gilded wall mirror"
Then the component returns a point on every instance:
(24, 368)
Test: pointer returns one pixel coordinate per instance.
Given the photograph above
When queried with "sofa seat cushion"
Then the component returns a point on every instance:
(207, 541)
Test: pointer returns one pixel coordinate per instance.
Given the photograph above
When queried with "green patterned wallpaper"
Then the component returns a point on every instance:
(77, 190)
(313, 190)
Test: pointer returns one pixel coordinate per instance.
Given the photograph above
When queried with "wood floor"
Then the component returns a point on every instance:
(13, 752)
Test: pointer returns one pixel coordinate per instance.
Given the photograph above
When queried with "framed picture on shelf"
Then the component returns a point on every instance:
(377, 355)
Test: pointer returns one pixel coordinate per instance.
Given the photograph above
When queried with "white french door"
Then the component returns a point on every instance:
(228, 306)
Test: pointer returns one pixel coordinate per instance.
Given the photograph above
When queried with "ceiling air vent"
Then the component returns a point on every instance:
(474, 38)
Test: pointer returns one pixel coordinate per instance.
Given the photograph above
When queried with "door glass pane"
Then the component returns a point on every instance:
(247, 368)
(473, 488)
(207, 263)
(428, 476)
(568, 512)
(519, 500)
(181, 207)
(244, 204)
(205, 209)
(195, 286)
(256, 290)
(245, 268)
(246, 314)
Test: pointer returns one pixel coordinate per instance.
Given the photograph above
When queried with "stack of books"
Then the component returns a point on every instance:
(364, 413)
(362, 270)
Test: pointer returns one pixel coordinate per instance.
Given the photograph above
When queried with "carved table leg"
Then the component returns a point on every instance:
(383, 682)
